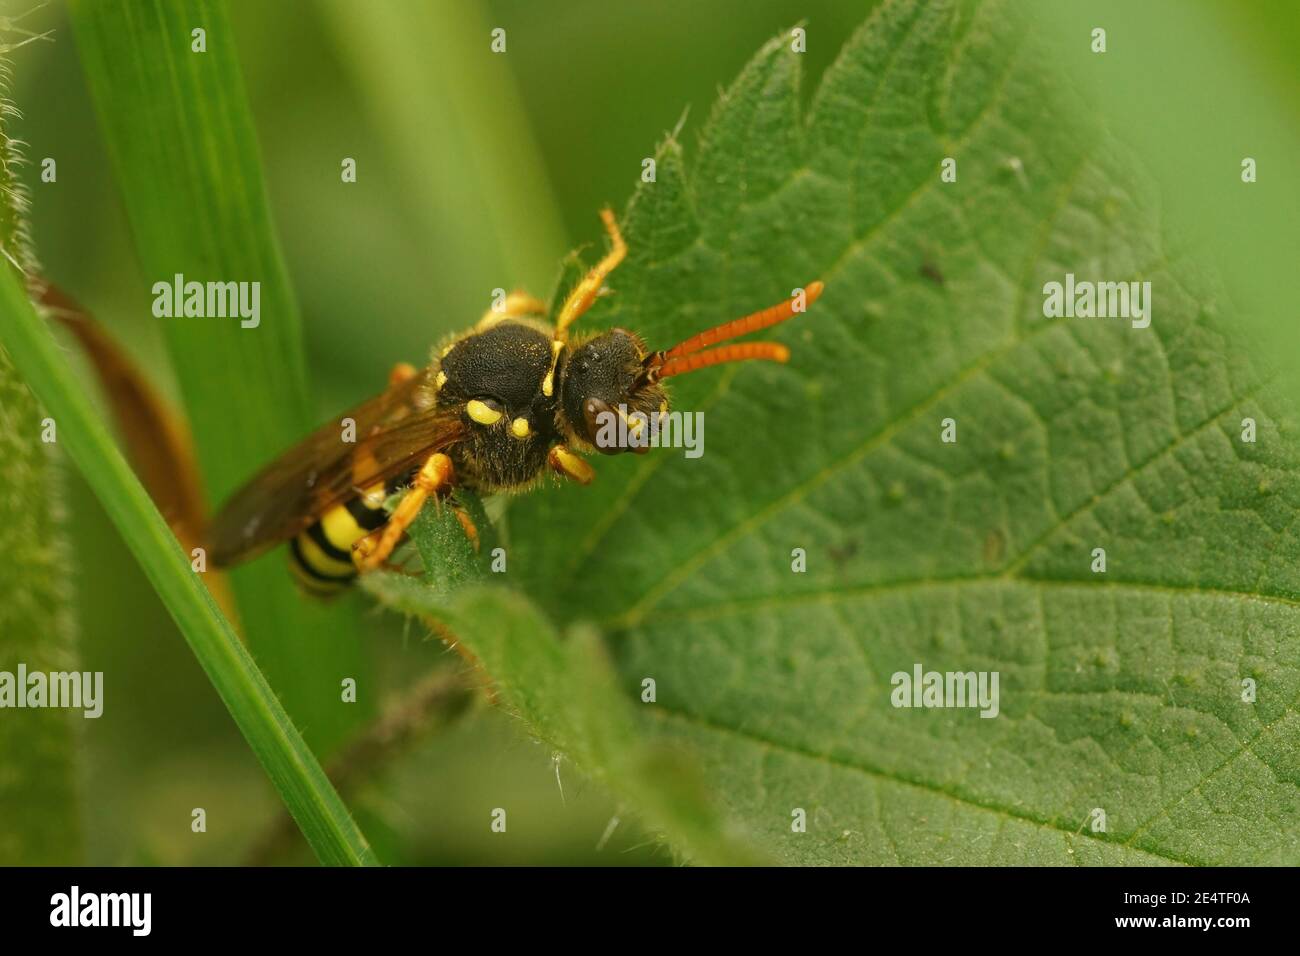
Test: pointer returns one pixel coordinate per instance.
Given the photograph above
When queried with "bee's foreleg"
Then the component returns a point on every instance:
(585, 292)
(435, 476)
(566, 463)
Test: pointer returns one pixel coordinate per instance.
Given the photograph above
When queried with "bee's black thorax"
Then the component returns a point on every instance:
(497, 376)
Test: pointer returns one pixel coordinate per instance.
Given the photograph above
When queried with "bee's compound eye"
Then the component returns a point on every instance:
(485, 411)
(593, 412)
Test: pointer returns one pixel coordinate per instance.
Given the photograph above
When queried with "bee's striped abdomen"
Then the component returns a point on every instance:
(321, 556)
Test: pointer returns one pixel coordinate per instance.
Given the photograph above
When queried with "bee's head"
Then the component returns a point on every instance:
(614, 376)
(604, 379)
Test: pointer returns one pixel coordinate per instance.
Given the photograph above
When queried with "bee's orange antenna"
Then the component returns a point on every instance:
(772, 351)
(677, 361)
(743, 326)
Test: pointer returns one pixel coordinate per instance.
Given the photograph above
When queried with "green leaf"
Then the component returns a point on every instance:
(184, 151)
(289, 763)
(449, 559)
(565, 691)
(1119, 692)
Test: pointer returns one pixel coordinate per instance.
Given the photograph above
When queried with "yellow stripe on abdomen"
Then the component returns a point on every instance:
(341, 529)
(322, 561)
(321, 556)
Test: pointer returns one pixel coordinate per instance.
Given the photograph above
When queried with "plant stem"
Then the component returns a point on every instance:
(294, 771)
(435, 701)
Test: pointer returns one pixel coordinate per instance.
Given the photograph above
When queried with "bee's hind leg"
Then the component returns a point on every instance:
(437, 475)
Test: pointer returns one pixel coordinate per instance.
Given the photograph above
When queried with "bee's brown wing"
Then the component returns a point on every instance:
(394, 432)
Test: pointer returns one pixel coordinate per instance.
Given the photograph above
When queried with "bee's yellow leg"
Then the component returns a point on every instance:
(570, 465)
(584, 293)
(436, 475)
(468, 526)
(518, 304)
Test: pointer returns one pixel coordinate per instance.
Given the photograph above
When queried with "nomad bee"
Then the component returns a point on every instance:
(499, 406)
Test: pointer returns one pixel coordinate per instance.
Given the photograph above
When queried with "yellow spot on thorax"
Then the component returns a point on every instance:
(482, 413)
(519, 428)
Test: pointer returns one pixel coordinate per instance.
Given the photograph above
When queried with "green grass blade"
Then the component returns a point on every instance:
(184, 150)
(457, 130)
(294, 771)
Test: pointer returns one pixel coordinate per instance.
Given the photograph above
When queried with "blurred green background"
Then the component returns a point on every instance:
(477, 171)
